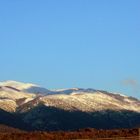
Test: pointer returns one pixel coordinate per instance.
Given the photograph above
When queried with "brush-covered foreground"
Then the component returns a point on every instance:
(8, 133)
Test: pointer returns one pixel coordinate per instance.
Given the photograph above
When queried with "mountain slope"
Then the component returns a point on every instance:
(13, 96)
(10, 98)
(89, 102)
(43, 109)
(54, 119)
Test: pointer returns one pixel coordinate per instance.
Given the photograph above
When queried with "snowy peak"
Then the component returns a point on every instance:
(17, 85)
(24, 87)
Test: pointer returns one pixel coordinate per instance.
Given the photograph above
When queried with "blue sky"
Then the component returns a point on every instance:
(72, 43)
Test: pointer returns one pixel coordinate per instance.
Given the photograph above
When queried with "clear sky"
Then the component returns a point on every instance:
(72, 43)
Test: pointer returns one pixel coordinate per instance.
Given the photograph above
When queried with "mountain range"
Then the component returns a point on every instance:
(32, 107)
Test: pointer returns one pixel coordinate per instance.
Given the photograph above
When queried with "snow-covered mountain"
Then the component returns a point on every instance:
(25, 87)
(10, 97)
(89, 102)
(24, 96)
(65, 109)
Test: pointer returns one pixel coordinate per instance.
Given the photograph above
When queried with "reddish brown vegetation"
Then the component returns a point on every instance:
(7, 129)
(15, 134)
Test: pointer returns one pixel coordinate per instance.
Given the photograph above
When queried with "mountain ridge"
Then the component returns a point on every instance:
(43, 109)
(74, 98)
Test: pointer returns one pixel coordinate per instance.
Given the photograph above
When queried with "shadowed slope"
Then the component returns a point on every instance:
(50, 118)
